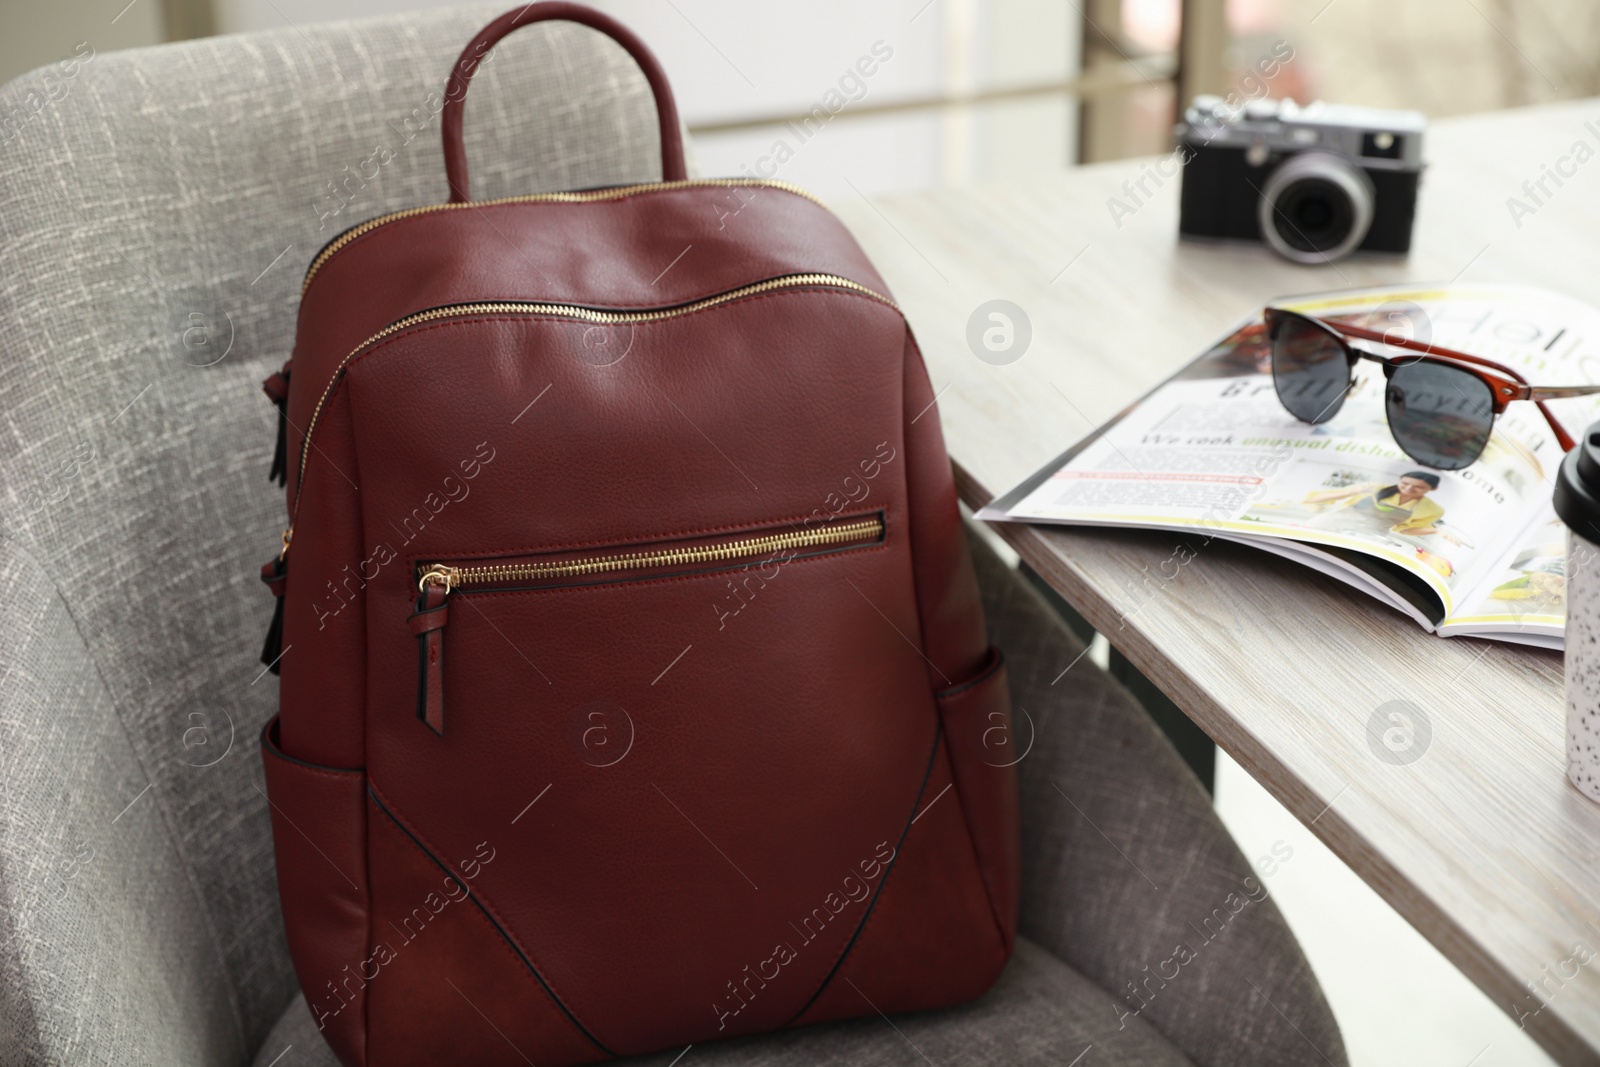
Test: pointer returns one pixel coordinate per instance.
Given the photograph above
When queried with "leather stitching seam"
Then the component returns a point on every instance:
(488, 915)
(988, 674)
(997, 660)
(495, 934)
(271, 748)
(861, 927)
(977, 857)
(338, 776)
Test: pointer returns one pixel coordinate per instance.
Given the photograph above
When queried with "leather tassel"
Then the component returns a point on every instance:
(277, 389)
(274, 574)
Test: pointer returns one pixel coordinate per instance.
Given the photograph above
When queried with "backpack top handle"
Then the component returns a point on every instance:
(455, 156)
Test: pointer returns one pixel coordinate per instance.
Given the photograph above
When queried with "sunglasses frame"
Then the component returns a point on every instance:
(1504, 383)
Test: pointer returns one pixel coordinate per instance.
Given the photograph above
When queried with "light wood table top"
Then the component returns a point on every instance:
(1480, 843)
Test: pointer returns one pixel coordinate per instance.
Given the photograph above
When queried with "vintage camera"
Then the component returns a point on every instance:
(1315, 183)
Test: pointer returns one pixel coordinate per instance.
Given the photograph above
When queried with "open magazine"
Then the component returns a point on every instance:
(1476, 551)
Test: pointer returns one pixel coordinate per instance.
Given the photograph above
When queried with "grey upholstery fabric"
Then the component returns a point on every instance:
(160, 207)
(1128, 875)
(194, 179)
(106, 926)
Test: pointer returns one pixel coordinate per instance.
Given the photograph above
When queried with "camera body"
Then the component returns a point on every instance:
(1314, 183)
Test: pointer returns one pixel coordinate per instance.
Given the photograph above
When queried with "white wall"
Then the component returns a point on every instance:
(35, 32)
(731, 60)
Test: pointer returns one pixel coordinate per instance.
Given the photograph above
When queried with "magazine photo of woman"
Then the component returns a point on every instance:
(1405, 511)
(1402, 508)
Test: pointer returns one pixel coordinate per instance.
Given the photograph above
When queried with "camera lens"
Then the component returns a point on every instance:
(1315, 208)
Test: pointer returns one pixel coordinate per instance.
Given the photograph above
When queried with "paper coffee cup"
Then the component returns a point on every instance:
(1577, 501)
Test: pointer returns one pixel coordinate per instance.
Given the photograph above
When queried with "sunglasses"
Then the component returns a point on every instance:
(1441, 404)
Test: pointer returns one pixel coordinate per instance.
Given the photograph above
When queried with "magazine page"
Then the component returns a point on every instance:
(1526, 593)
(1371, 576)
(1214, 448)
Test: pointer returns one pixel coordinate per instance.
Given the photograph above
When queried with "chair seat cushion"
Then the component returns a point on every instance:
(1041, 1011)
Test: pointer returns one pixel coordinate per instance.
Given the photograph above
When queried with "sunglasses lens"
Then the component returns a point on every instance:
(1441, 415)
(1309, 369)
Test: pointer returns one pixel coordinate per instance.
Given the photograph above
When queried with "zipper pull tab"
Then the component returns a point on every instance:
(427, 622)
(277, 389)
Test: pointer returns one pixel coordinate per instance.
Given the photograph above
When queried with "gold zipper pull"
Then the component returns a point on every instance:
(439, 575)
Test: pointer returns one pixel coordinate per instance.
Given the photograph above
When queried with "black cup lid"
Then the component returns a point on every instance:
(1577, 495)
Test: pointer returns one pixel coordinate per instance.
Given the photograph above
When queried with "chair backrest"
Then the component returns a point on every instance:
(157, 210)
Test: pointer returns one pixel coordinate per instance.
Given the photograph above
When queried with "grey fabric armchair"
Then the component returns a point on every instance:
(158, 208)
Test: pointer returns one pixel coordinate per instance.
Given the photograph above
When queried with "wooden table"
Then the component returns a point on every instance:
(1480, 843)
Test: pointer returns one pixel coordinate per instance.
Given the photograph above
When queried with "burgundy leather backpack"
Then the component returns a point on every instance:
(634, 685)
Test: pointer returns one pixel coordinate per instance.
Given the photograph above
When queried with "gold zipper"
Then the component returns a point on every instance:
(617, 193)
(793, 281)
(442, 574)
